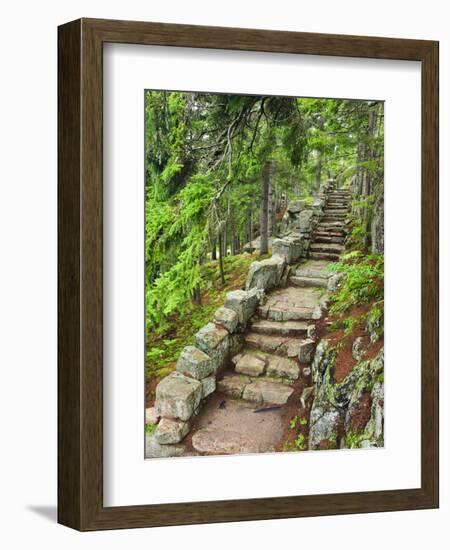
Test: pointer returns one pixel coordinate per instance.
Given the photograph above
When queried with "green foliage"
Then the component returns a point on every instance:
(362, 281)
(150, 429)
(204, 159)
(299, 444)
(353, 439)
(166, 341)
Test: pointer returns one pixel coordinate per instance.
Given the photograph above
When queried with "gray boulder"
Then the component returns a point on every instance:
(214, 341)
(195, 363)
(153, 449)
(303, 223)
(265, 274)
(178, 396)
(171, 431)
(357, 348)
(324, 426)
(243, 303)
(208, 386)
(289, 247)
(306, 352)
(151, 416)
(226, 317)
(295, 207)
(249, 363)
(334, 281)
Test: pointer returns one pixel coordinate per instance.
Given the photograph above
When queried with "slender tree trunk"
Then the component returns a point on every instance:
(232, 235)
(222, 274)
(224, 240)
(233, 244)
(196, 296)
(214, 251)
(250, 228)
(264, 212)
(367, 180)
(270, 208)
(318, 170)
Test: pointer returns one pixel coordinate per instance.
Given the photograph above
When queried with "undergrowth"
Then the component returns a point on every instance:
(362, 283)
(166, 342)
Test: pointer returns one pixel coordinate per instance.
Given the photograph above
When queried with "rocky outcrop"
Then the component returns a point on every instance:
(347, 414)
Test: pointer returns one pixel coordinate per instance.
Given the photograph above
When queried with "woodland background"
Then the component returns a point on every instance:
(220, 172)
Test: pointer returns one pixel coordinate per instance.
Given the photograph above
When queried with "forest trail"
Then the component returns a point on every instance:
(264, 384)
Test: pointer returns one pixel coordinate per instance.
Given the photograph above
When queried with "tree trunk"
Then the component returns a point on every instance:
(270, 208)
(367, 181)
(233, 244)
(214, 251)
(222, 274)
(318, 170)
(264, 212)
(224, 240)
(196, 296)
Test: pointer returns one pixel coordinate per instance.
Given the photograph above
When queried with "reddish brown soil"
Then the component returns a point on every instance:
(344, 361)
(361, 414)
(292, 409)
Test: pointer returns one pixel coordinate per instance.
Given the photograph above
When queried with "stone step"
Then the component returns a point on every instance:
(322, 225)
(326, 247)
(335, 211)
(290, 304)
(330, 218)
(336, 223)
(251, 363)
(329, 232)
(257, 363)
(324, 256)
(328, 212)
(328, 238)
(308, 281)
(286, 313)
(333, 220)
(267, 392)
(313, 268)
(282, 328)
(287, 347)
(256, 390)
(339, 198)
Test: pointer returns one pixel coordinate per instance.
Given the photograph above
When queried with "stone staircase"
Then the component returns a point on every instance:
(255, 356)
(278, 346)
(328, 238)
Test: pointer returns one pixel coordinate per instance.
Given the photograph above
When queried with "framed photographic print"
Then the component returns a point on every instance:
(248, 274)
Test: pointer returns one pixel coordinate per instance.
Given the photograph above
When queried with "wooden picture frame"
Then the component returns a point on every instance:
(80, 272)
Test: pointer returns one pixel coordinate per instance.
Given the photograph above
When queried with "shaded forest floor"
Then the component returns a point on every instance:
(163, 349)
